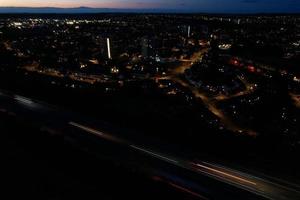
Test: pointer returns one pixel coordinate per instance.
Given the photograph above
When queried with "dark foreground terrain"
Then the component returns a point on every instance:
(35, 166)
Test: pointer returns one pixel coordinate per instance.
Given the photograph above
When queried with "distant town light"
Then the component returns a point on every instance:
(225, 46)
(296, 79)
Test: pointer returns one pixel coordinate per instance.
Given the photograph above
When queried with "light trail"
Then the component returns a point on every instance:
(226, 174)
(98, 133)
(155, 154)
(23, 100)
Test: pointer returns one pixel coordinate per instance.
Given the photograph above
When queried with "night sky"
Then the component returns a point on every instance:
(241, 6)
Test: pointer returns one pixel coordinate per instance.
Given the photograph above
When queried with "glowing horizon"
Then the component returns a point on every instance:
(90, 3)
(198, 5)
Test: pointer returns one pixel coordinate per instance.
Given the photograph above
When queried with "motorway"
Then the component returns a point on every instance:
(201, 179)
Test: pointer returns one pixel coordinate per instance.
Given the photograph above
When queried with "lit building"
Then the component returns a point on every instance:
(108, 49)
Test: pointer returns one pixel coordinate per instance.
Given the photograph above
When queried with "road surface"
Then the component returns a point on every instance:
(217, 176)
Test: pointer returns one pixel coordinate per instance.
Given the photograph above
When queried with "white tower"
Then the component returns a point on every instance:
(189, 31)
(108, 49)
